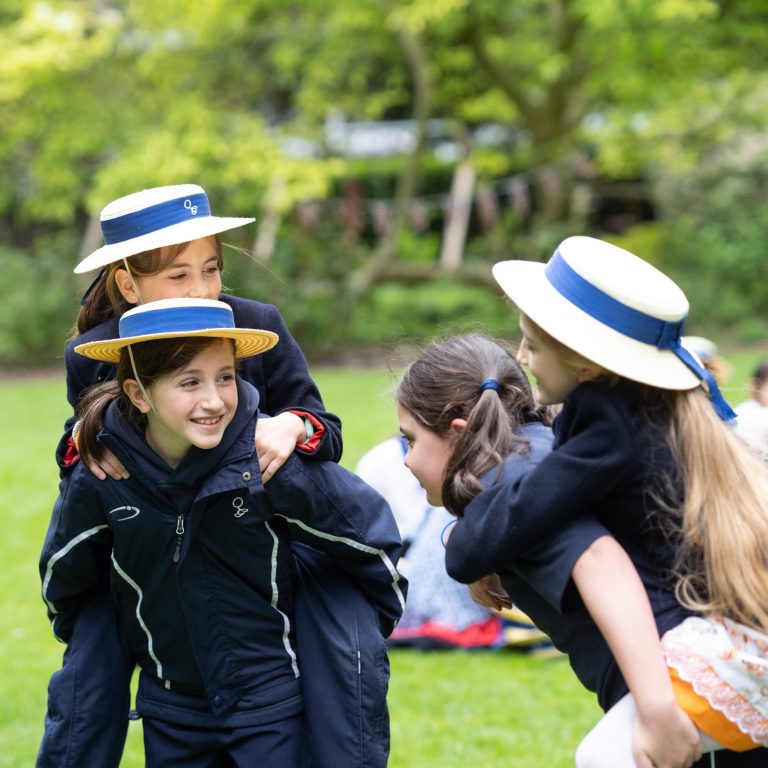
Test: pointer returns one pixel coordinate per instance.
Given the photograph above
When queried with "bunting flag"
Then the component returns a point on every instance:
(381, 214)
(307, 214)
(353, 212)
(419, 215)
(487, 208)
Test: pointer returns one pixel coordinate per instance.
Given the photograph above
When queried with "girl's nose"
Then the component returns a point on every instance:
(211, 399)
(196, 290)
(522, 353)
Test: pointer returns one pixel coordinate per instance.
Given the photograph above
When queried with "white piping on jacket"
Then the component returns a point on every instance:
(54, 558)
(273, 601)
(380, 553)
(137, 589)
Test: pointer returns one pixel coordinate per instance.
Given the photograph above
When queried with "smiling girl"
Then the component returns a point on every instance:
(199, 551)
(164, 243)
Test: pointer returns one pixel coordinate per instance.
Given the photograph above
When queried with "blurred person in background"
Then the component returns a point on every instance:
(440, 612)
(752, 414)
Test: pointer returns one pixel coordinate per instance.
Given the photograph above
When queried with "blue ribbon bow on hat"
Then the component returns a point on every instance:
(633, 323)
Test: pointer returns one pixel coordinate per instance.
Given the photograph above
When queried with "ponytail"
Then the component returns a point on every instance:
(487, 440)
(446, 383)
(102, 302)
(91, 410)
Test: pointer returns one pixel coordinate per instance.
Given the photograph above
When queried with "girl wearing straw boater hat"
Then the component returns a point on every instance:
(473, 426)
(163, 243)
(198, 549)
(643, 443)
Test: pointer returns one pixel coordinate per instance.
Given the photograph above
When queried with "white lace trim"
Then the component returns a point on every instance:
(727, 664)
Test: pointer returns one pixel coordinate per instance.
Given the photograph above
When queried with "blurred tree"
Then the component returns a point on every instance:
(100, 97)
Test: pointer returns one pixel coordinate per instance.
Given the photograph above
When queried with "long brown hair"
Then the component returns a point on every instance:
(723, 561)
(104, 299)
(443, 384)
(154, 359)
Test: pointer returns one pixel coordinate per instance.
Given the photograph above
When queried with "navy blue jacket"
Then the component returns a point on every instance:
(609, 459)
(537, 574)
(202, 569)
(540, 581)
(280, 375)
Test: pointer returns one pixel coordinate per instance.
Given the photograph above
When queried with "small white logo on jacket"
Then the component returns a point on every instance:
(134, 510)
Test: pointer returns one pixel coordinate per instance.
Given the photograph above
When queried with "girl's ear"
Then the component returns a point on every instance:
(135, 395)
(458, 425)
(588, 374)
(125, 285)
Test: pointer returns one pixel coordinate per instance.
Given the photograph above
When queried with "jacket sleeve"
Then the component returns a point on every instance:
(334, 511)
(288, 386)
(75, 553)
(507, 520)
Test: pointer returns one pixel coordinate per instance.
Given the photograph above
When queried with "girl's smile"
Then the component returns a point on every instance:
(191, 406)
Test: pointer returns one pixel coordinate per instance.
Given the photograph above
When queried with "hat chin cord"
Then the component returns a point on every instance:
(138, 381)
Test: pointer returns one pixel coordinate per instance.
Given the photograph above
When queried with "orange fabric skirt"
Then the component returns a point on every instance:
(715, 724)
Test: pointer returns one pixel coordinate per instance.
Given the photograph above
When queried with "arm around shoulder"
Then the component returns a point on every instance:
(287, 383)
(535, 499)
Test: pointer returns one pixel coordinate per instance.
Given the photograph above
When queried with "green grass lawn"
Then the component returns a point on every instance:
(447, 708)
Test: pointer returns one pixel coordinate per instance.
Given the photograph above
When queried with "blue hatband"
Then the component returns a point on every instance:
(175, 320)
(155, 217)
(630, 322)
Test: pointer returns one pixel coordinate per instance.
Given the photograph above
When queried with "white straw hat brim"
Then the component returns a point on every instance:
(248, 342)
(185, 231)
(527, 286)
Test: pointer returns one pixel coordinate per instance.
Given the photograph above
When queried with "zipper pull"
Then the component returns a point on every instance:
(179, 533)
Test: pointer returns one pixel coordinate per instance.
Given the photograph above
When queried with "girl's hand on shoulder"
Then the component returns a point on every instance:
(665, 738)
(276, 440)
(489, 592)
(108, 465)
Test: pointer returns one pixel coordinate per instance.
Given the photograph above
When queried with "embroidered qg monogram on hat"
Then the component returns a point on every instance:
(240, 510)
(191, 208)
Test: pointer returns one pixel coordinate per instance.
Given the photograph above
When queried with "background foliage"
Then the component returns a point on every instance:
(646, 113)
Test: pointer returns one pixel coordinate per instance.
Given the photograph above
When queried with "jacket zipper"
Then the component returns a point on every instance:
(180, 534)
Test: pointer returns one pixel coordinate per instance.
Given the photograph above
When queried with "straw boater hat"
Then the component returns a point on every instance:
(154, 218)
(179, 318)
(612, 308)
